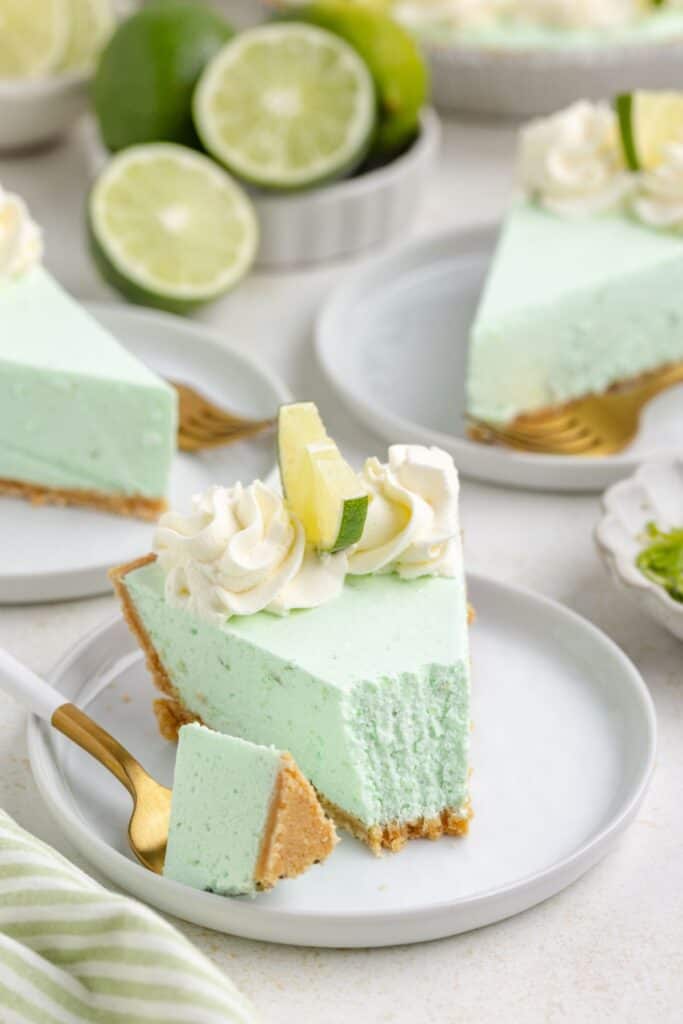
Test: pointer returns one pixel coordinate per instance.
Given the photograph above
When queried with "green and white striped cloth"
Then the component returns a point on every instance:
(72, 952)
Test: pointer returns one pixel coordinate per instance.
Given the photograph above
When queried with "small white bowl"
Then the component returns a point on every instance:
(653, 494)
(347, 216)
(34, 112)
(523, 83)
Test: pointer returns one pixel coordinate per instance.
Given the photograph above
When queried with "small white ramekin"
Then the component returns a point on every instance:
(34, 112)
(347, 216)
(518, 83)
(653, 494)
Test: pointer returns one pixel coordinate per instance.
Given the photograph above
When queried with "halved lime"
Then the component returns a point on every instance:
(398, 69)
(648, 122)
(169, 228)
(91, 24)
(33, 37)
(320, 487)
(286, 106)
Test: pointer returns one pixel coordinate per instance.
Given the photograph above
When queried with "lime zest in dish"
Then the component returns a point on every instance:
(662, 560)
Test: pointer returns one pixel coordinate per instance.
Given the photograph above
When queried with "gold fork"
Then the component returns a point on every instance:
(598, 425)
(202, 424)
(148, 826)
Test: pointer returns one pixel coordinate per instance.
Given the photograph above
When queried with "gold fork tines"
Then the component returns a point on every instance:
(202, 424)
(597, 425)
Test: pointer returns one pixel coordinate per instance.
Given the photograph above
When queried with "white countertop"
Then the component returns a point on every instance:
(610, 948)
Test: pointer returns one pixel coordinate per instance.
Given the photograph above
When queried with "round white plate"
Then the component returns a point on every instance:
(393, 341)
(562, 750)
(528, 82)
(53, 554)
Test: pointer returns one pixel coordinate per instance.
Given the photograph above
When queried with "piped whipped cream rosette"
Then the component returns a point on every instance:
(21, 240)
(243, 550)
(556, 14)
(592, 159)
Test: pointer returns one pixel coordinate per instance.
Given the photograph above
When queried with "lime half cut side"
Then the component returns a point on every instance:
(91, 24)
(320, 487)
(648, 122)
(286, 106)
(169, 228)
(33, 37)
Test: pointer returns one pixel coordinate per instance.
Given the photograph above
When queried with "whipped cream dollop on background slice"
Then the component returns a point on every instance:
(580, 13)
(240, 552)
(564, 14)
(572, 163)
(21, 242)
(412, 526)
(659, 200)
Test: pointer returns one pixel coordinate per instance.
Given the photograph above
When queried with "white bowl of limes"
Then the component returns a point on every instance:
(47, 52)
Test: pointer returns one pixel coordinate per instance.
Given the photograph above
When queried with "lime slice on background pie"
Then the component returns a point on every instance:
(91, 24)
(320, 487)
(33, 37)
(286, 106)
(648, 122)
(169, 228)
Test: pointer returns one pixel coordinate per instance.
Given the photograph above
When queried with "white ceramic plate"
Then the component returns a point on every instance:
(52, 554)
(653, 494)
(393, 339)
(563, 747)
(521, 83)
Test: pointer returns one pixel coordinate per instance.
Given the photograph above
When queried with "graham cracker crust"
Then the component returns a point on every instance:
(132, 505)
(171, 715)
(394, 835)
(477, 431)
(298, 833)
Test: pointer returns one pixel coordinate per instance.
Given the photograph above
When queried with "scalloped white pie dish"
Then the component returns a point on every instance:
(653, 494)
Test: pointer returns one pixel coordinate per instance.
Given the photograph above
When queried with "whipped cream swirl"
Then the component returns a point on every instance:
(659, 200)
(412, 526)
(240, 552)
(579, 14)
(451, 13)
(571, 163)
(21, 243)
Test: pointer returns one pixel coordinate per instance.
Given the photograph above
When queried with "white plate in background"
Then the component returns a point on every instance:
(53, 554)
(393, 341)
(562, 750)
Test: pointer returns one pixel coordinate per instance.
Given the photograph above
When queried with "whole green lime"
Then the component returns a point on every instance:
(147, 73)
(395, 62)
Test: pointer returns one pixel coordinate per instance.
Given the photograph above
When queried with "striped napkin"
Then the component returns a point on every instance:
(72, 952)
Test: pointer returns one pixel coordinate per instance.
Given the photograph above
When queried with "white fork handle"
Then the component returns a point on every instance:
(29, 689)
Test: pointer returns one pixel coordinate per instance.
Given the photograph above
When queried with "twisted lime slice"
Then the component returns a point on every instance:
(321, 489)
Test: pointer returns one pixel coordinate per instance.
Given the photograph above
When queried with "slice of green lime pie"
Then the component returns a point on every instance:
(585, 292)
(82, 422)
(352, 654)
(242, 816)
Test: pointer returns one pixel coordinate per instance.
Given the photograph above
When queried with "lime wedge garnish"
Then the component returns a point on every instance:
(648, 122)
(286, 106)
(33, 37)
(91, 24)
(169, 228)
(320, 487)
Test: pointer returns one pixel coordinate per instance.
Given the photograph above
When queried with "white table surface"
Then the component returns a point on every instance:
(608, 949)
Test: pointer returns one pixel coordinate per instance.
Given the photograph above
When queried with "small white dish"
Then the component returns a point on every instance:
(653, 494)
(54, 554)
(562, 751)
(522, 83)
(393, 339)
(346, 216)
(34, 112)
